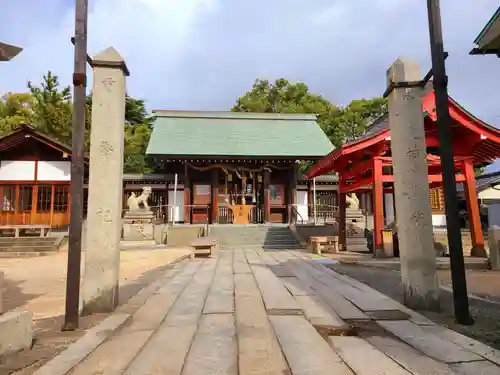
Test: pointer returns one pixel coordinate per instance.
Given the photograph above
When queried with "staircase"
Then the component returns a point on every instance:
(28, 246)
(248, 236)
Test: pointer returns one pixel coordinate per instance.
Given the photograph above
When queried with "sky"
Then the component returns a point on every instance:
(204, 54)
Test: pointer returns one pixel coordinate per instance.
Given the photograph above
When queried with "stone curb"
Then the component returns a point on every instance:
(76, 352)
(79, 350)
(396, 266)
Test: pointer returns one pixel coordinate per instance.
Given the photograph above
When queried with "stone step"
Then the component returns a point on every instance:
(28, 248)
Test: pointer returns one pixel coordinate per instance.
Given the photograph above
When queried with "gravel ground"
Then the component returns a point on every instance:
(487, 315)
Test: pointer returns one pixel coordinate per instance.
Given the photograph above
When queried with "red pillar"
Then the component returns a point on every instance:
(474, 216)
(378, 205)
(266, 179)
(187, 196)
(342, 223)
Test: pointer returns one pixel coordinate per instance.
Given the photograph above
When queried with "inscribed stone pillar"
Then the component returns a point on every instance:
(409, 158)
(104, 224)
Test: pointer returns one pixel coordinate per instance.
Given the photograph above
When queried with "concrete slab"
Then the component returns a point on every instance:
(16, 331)
(363, 358)
(306, 351)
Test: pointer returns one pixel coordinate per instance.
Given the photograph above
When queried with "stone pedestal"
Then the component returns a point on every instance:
(494, 245)
(138, 226)
(355, 230)
(104, 219)
(413, 210)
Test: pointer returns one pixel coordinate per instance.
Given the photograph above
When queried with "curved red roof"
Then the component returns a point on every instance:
(483, 149)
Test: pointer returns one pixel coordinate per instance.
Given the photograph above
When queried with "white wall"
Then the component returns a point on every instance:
(178, 211)
(17, 170)
(54, 171)
(438, 220)
(490, 193)
(494, 214)
(389, 208)
(302, 204)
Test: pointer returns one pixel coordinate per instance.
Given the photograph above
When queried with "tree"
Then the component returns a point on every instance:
(52, 108)
(340, 124)
(15, 109)
(355, 118)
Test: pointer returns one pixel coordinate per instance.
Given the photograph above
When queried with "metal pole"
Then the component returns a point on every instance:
(77, 168)
(460, 298)
(314, 201)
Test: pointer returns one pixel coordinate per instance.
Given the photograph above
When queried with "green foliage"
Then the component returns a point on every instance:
(15, 109)
(52, 108)
(340, 124)
(49, 108)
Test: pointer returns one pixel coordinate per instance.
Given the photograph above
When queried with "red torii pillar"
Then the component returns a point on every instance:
(378, 205)
(474, 216)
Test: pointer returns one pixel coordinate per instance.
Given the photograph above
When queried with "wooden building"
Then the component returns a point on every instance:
(235, 167)
(34, 179)
(488, 40)
(365, 167)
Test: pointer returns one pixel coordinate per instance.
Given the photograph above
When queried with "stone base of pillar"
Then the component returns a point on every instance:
(479, 252)
(415, 301)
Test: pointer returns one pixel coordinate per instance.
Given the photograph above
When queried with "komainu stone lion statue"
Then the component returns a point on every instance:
(135, 203)
(352, 201)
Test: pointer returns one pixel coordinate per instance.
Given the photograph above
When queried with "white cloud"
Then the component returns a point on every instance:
(203, 54)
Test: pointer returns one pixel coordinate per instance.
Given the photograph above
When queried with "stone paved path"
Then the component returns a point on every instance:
(249, 312)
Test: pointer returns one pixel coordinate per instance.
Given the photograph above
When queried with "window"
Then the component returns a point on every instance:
(277, 196)
(60, 198)
(44, 198)
(437, 199)
(8, 198)
(202, 189)
(25, 198)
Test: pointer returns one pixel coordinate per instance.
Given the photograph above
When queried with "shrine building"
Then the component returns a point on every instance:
(214, 167)
(236, 167)
(365, 167)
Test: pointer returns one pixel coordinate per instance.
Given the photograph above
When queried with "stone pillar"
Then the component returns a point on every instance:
(378, 208)
(494, 245)
(342, 222)
(416, 245)
(266, 179)
(104, 219)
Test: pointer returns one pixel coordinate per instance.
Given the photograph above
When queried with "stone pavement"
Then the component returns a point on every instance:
(251, 312)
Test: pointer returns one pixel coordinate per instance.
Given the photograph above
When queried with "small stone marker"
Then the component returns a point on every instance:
(104, 224)
(409, 158)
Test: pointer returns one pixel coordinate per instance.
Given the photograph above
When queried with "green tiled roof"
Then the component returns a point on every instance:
(237, 134)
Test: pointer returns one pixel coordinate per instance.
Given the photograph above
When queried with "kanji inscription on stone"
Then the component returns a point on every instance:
(105, 214)
(108, 82)
(105, 148)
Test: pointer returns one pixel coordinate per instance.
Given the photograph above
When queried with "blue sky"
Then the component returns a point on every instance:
(203, 54)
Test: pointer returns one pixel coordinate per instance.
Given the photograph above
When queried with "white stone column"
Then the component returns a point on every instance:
(104, 223)
(409, 157)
